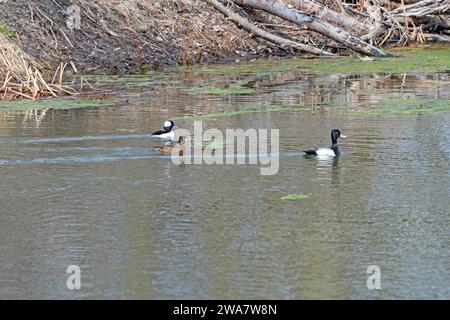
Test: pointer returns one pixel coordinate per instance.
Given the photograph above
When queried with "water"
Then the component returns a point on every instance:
(84, 187)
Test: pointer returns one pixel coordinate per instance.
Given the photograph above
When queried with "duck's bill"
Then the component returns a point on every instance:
(342, 136)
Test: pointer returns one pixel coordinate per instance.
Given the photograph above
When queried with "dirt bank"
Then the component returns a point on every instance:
(124, 36)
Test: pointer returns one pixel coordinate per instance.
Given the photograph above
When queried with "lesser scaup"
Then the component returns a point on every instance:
(328, 152)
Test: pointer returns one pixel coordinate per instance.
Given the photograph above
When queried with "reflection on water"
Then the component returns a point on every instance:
(85, 187)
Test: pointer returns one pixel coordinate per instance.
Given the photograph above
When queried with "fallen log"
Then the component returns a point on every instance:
(433, 22)
(423, 8)
(405, 1)
(244, 23)
(376, 15)
(437, 37)
(331, 16)
(303, 19)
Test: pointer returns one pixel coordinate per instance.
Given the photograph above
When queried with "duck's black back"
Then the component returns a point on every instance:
(159, 132)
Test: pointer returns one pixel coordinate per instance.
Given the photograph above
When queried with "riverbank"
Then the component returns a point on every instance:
(120, 37)
(43, 43)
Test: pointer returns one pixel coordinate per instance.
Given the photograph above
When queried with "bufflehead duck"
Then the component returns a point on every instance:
(167, 133)
(178, 147)
(328, 152)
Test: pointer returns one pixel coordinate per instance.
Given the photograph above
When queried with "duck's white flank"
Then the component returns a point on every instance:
(325, 152)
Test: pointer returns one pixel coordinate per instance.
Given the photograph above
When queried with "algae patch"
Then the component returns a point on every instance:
(246, 109)
(52, 104)
(221, 91)
(406, 106)
(248, 68)
(294, 196)
(407, 59)
(422, 59)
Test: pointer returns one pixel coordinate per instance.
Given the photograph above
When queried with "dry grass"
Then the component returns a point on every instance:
(23, 77)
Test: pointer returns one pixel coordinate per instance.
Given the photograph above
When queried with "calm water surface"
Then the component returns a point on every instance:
(84, 187)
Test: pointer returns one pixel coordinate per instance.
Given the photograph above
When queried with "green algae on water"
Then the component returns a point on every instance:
(220, 91)
(51, 104)
(256, 67)
(431, 59)
(407, 59)
(246, 109)
(294, 196)
(410, 106)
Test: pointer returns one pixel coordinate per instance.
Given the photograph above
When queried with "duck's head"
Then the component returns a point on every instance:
(169, 125)
(335, 134)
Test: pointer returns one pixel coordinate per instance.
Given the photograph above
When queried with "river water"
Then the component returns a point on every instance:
(83, 187)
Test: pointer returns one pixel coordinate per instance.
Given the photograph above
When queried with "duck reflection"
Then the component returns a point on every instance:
(327, 168)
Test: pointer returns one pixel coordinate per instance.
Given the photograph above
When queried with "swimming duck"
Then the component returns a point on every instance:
(328, 152)
(177, 147)
(167, 132)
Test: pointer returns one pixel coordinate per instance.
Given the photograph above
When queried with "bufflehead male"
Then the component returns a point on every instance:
(167, 133)
(328, 152)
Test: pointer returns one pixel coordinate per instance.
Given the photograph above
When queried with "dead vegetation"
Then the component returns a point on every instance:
(24, 77)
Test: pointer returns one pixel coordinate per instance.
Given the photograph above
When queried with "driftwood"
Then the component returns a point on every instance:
(360, 28)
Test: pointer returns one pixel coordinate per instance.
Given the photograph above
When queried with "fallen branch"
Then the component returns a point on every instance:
(244, 23)
(423, 8)
(437, 37)
(331, 16)
(312, 23)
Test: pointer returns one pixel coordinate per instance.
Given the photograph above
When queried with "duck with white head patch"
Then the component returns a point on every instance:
(167, 133)
(333, 151)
